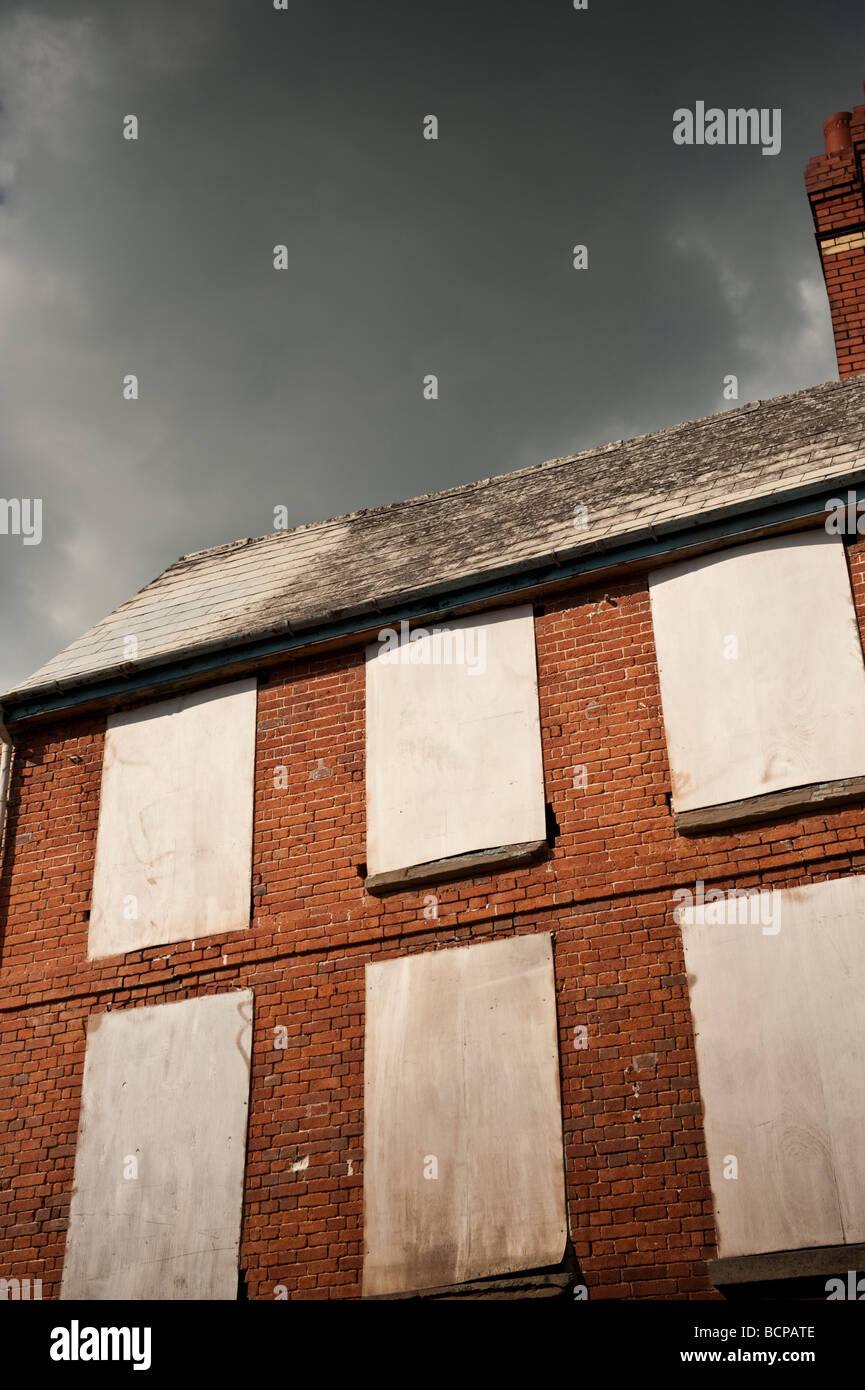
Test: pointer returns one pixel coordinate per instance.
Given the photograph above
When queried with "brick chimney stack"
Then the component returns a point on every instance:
(836, 191)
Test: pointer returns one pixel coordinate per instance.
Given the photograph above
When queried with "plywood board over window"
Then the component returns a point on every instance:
(156, 1205)
(762, 678)
(463, 1167)
(453, 750)
(174, 846)
(779, 1016)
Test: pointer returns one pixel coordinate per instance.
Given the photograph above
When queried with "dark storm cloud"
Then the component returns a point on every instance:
(406, 257)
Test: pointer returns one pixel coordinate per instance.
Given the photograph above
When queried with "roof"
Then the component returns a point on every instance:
(370, 561)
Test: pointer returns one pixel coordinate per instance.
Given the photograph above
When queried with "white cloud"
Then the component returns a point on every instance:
(782, 335)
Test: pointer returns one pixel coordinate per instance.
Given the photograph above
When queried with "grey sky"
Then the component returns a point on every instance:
(407, 257)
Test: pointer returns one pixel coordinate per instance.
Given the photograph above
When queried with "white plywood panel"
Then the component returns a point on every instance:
(453, 749)
(167, 1086)
(461, 1067)
(789, 709)
(174, 846)
(780, 1028)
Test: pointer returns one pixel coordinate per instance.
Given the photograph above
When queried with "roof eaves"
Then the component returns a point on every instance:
(384, 605)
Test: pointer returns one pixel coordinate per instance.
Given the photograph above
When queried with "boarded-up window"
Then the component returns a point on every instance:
(779, 1015)
(174, 848)
(156, 1205)
(453, 749)
(463, 1166)
(762, 680)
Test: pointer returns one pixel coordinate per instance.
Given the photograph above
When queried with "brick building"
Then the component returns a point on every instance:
(464, 895)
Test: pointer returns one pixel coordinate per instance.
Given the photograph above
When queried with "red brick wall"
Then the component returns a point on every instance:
(837, 195)
(639, 1199)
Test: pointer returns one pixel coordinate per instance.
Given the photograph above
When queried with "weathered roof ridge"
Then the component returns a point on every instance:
(225, 547)
(335, 576)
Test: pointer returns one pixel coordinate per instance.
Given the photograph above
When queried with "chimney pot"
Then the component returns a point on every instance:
(836, 133)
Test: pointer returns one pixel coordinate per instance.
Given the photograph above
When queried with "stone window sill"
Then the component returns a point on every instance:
(772, 806)
(482, 861)
(828, 1260)
(556, 1281)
